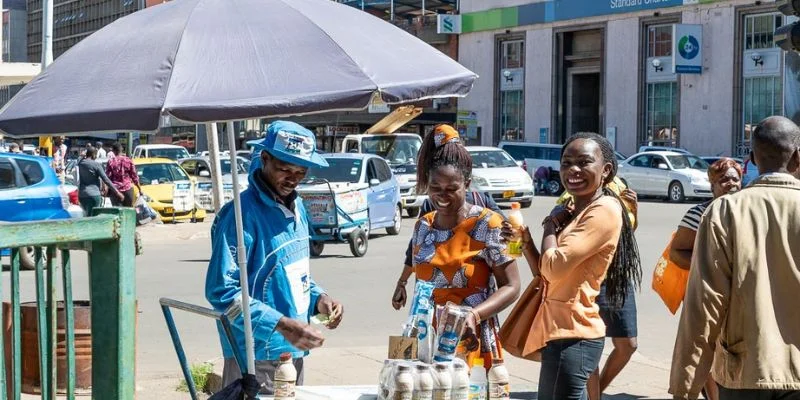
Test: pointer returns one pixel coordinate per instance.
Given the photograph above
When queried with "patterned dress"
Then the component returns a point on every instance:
(460, 263)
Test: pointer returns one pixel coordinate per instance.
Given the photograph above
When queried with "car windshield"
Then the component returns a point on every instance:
(172, 154)
(225, 165)
(491, 159)
(688, 162)
(339, 170)
(394, 149)
(155, 174)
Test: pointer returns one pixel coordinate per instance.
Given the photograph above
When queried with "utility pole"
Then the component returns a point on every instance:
(47, 56)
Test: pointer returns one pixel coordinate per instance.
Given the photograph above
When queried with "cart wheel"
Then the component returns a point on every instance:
(358, 242)
(316, 248)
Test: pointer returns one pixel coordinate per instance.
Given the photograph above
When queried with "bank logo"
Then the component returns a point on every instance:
(688, 47)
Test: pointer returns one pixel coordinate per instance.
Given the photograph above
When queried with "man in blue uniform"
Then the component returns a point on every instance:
(276, 235)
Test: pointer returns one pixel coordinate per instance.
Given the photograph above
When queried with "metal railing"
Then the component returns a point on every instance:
(108, 237)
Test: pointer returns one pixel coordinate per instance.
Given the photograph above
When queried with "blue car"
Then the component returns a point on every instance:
(360, 178)
(31, 191)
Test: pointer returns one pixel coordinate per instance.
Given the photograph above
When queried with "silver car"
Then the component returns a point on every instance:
(667, 174)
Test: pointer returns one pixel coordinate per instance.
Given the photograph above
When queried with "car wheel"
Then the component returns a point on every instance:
(413, 212)
(27, 258)
(359, 242)
(316, 248)
(676, 194)
(398, 222)
(526, 204)
(554, 187)
(198, 220)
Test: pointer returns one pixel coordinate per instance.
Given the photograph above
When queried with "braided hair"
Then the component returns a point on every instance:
(431, 157)
(626, 267)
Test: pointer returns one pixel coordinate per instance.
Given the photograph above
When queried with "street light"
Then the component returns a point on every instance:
(757, 58)
(657, 65)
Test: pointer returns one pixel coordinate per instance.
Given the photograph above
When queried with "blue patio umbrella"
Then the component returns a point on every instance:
(222, 60)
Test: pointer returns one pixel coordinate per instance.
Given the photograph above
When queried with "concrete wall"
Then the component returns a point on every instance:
(706, 108)
(622, 81)
(476, 52)
(18, 46)
(538, 81)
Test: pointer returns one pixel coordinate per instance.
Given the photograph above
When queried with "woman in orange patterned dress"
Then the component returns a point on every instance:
(459, 248)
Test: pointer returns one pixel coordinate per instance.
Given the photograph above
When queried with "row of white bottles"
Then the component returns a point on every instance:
(446, 381)
(495, 386)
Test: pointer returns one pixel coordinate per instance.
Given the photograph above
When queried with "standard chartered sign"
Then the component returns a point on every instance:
(614, 4)
(448, 23)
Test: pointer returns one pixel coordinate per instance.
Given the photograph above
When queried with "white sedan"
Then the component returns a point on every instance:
(667, 174)
(496, 173)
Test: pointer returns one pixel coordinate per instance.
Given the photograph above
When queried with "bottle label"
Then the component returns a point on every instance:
(402, 396)
(477, 392)
(460, 393)
(515, 248)
(284, 390)
(423, 395)
(447, 347)
(441, 394)
(499, 391)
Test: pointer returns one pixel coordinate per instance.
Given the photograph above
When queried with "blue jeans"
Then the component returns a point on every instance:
(566, 366)
(757, 394)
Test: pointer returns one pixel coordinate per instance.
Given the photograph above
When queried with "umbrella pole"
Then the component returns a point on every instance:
(216, 169)
(241, 256)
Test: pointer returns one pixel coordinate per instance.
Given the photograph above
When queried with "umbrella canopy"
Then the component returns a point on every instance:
(218, 60)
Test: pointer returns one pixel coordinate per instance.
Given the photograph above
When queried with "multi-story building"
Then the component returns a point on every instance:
(15, 41)
(560, 67)
(418, 17)
(73, 21)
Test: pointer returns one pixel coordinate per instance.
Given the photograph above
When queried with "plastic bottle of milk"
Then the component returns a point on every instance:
(498, 381)
(285, 378)
(403, 384)
(516, 221)
(460, 382)
(423, 383)
(383, 380)
(442, 382)
(477, 381)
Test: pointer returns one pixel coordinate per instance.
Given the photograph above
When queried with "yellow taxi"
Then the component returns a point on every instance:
(170, 190)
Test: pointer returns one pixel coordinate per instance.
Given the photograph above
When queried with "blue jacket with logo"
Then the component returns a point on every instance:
(280, 283)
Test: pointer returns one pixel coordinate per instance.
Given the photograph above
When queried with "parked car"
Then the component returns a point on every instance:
(169, 151)
(675, 176)
(645, 149)
(199, 168)
(400, 150)
(169, 189)
(31, 191)
(496, 173)
(370, 175)
(534, 155)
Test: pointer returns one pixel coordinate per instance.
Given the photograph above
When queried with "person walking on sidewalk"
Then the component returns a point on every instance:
(725, 176)
(122, 172)
(90, 176)
(586, 244)
(740, 310)
(276, 233)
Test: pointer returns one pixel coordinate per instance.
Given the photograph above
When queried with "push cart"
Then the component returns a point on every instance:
(338, 213)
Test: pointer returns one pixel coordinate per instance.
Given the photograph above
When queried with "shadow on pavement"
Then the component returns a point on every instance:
(195, 261)
(621, 396)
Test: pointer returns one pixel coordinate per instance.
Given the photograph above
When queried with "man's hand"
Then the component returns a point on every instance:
(332, 308)
(300, 335)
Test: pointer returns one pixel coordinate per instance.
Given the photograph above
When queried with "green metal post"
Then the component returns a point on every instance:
(3, 365)
(69, 322)
(16, 330)
(51, 322)
(113, 287)
(42, 326)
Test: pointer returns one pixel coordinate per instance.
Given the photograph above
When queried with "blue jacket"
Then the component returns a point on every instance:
(277, 241)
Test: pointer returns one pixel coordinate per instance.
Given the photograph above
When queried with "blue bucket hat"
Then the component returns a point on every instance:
(291, 143)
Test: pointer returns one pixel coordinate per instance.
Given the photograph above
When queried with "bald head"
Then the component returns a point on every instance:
(776, 146)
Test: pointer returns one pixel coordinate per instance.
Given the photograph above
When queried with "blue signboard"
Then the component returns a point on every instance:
(560, 10)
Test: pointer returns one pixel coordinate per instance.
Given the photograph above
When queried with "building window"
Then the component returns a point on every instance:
(661, 117)
(511, 108)
(762, 89)
(662, 114)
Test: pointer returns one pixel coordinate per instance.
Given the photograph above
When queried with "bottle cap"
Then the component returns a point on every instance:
(515, 206)
(286, 356)
(423, 367)
(478, 362)
(441, 367)
(497, 361)
(403, 368)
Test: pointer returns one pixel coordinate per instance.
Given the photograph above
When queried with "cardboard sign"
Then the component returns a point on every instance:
(402, 348)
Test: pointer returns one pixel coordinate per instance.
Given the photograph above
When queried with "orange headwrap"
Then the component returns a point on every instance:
(445, 134)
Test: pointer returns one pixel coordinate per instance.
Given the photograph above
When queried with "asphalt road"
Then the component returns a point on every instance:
(174, 266)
